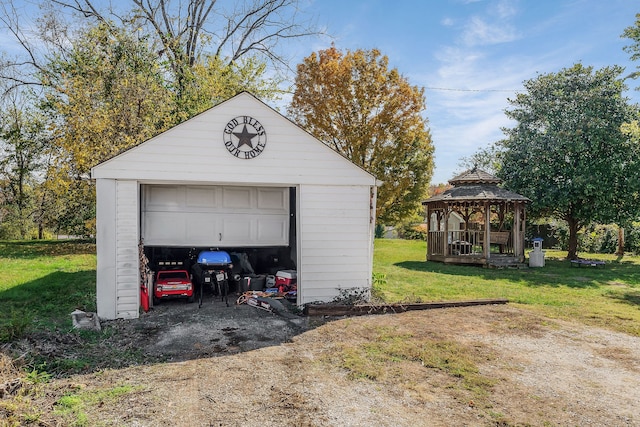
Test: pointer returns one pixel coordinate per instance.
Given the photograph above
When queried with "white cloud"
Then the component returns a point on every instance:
(479, 32)
(505, 9)
(447, 22)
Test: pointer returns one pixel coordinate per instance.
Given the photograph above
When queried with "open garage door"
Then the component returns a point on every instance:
(215, 216)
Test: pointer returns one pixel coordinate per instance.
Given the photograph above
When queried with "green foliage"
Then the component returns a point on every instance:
(211, 81)
(567, 151)
(413, 232)
(72, 409)
(73, 406)
(379, 279)
(372, 116)
(486, 158)
(599, 239)
(632, 238)
(37, 377)
(103, 96)
(23, 138)
(633, 33)
(594, 238)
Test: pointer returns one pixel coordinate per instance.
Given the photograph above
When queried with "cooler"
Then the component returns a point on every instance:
(286, 279)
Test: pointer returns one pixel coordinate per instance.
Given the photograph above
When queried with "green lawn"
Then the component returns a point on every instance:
(606, 296)
(44, 281)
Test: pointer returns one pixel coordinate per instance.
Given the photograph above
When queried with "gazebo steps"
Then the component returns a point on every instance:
(505, 262)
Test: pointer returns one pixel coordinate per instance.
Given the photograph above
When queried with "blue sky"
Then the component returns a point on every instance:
(469, 55)
(482, 50)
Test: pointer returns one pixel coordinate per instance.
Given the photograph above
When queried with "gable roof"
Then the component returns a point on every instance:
(194, 151)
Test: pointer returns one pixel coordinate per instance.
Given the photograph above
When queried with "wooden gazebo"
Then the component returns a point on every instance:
(491, 232)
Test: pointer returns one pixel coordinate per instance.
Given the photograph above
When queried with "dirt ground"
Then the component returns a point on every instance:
(241, 366)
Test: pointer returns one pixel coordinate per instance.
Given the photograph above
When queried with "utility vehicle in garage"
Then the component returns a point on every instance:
(172, 284)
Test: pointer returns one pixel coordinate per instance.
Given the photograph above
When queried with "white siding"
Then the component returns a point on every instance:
(117, 278)
(106, 248)
(127, 270)
(336, 241)
(194, 152)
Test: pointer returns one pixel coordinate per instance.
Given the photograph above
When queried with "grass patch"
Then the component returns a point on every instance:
(43, 282)
(390, 355)
(606, 296)
(73, 407)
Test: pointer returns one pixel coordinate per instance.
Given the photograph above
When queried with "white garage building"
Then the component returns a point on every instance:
(239, 176)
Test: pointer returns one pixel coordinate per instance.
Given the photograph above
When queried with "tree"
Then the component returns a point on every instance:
(131, 74)
(372, 115)
(103, 95)
(23, 138)
(485, 158)
(567, 151)
(212, 81)
(189, 34)
(633, 33)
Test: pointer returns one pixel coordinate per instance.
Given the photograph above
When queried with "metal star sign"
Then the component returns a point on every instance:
(244, 137)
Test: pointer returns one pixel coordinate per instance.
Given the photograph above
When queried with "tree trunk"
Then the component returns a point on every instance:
(620, 251)
(573, 239)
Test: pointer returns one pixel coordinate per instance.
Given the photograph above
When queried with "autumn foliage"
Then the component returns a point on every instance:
(359, 107)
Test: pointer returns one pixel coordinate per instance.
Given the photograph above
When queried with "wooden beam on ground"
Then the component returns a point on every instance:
(362, 309)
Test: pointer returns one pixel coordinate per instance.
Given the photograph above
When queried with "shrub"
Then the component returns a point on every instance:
(598, 238)
(595, 238)
(632, 238)
(413, 232)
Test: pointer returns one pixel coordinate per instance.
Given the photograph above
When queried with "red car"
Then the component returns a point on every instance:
(173, 283)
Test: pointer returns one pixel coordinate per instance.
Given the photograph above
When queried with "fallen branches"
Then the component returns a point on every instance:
(362, 309)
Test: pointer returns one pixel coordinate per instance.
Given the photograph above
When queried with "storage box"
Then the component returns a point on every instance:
(254, 282)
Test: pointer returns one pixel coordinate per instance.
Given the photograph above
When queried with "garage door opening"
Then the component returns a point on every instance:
(255, 226)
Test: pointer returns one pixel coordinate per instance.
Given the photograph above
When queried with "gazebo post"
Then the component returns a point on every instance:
(487, 233)
(430, 239)
(517, 237)
(446, 232)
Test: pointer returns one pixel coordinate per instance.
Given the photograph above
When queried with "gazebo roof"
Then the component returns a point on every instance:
(476, 185)
(474, 176)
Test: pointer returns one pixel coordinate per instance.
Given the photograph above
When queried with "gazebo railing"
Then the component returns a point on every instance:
(467, 242)
(436, 242)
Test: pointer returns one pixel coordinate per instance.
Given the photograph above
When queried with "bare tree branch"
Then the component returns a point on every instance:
(10, 69)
